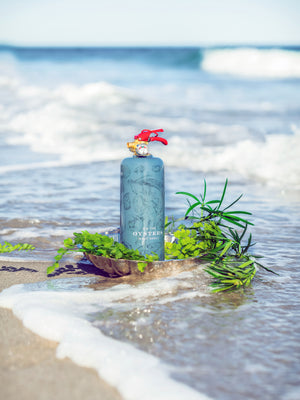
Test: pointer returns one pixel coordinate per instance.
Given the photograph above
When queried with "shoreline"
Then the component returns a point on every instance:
(28, 362)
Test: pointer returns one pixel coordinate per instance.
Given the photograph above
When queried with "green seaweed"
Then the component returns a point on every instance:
(100, 245)
(210, 232)
(9, 248)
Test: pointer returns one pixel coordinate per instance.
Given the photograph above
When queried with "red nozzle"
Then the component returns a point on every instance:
(149, 136)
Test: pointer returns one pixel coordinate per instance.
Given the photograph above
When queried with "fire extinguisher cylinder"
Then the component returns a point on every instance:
(142, 197)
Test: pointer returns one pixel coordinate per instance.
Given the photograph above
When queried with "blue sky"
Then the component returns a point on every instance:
(151, 22)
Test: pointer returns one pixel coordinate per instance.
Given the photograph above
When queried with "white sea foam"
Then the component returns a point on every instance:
(255, 368)
(15, 259)
(33, 166)
(249, 62)
(72, 121)
(292, 394)
(57, 310)
(84, 123)
(274, 161)
(15, 234)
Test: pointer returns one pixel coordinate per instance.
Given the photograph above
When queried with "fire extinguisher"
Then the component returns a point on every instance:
(142, 205)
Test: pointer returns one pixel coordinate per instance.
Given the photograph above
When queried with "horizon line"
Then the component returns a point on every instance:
(182, 45)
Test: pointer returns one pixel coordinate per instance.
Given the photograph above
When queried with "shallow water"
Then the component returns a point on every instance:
(241, 345)
(229, 346)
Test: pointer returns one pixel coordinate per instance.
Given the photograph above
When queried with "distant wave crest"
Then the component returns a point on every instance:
(252, 62)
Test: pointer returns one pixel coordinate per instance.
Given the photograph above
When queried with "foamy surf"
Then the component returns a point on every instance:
(59, 310)
(79, 124)
(253, 63)
(273, 161)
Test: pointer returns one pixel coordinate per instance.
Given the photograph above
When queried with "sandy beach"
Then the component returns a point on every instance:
(29, 367)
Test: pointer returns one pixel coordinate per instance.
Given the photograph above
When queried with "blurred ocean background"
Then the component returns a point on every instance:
(67, 113)
(227, 112)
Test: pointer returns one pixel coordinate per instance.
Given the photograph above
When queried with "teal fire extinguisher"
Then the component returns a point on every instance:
(142, 205)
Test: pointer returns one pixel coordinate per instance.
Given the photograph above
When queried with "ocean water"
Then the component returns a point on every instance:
(65, 117)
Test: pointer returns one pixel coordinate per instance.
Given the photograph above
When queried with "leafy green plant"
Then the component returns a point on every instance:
(203, 210)
(8, 247)
(194, 241)
(100, 245)
(214, 238)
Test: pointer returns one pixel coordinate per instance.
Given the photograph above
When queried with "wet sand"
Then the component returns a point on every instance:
(29, 368)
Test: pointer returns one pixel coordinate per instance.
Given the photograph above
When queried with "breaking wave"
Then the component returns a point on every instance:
(92, 122)
(253, 62)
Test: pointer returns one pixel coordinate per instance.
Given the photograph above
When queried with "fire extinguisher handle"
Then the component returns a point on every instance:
(159, 139)
(146, 134)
